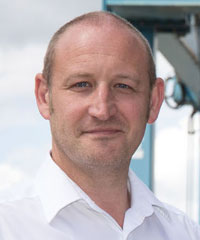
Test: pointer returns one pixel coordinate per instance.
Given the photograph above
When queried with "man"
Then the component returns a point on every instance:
(98, 90)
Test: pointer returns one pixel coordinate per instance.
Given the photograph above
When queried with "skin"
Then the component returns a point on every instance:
(98, 106)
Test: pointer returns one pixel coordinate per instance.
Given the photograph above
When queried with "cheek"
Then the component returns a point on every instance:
(135, 111)
(69, 113)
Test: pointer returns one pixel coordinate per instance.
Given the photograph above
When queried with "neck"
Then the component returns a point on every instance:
(107, 189)
(113, 201)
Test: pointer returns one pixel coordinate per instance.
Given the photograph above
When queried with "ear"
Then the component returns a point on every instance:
(157, 96)
(42, 96)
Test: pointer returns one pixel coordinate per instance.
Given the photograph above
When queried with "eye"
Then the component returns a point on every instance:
(122, 85)
(81, 85)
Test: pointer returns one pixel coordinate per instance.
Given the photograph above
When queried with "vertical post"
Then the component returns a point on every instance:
(104, 5)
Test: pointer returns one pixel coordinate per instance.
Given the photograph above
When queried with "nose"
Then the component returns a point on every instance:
(102, 105)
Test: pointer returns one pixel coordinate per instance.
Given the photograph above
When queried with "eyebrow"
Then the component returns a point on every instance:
(128, 77)
(79, 75)
(84, 75)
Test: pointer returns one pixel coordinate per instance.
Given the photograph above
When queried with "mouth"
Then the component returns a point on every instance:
(104, 132)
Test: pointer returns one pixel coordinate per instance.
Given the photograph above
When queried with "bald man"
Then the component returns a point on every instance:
(98, 90)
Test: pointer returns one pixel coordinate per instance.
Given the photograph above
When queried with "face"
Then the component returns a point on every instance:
(99, 101)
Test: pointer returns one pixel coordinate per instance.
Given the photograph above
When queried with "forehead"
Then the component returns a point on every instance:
(108, 36)
(108, 39)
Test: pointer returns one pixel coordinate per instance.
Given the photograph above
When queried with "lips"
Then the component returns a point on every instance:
(103, 131)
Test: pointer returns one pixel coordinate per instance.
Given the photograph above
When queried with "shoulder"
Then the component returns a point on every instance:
(20, 218)
(17, 211)
(17, 203)
(179, 220)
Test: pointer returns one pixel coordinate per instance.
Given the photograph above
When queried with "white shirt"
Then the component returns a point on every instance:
(57, 209)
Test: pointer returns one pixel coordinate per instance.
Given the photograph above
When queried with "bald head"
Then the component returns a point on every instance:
(102, 20)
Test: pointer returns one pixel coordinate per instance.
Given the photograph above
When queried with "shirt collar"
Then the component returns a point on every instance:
(140, 193)
(54, 189)
(143, 201)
